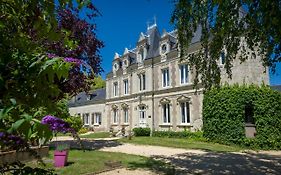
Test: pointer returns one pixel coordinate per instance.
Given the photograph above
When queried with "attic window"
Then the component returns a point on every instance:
(125, 62)
(164, 48)
(115, 66)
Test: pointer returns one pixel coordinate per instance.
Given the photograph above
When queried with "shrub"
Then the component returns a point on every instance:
(83, 130)
(225, 110)
(141, 131)
(75, 122)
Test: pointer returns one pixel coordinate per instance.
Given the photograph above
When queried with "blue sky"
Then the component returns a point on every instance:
(123, 20)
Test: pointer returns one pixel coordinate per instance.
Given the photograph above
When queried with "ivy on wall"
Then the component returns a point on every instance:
(225, 113)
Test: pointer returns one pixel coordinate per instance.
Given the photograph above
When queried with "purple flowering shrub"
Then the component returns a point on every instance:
(10, 141)
(56, 124)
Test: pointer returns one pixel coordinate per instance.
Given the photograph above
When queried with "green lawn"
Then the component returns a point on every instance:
(94, 161)
(96, 135)
(182, 143)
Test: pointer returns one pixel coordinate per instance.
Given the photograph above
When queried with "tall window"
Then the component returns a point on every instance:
(93, 119)
(86, 119)
(115, 116)
(183, 74)
(185, 112)
(98, 119)
(222, 57)
(126, 116)
(142, 115)
(126, 90)
(165, 78)
(166, 113)
(142, 81)
(115, 89)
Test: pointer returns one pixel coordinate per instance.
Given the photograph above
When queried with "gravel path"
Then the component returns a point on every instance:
(148, 151)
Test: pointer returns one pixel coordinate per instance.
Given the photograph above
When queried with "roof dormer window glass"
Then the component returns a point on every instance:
(164, 48)
(115, 66)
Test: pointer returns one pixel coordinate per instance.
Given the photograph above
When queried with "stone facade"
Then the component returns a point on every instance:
(150, 87)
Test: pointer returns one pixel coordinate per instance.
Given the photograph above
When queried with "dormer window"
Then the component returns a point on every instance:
(141, 55)
(164, 48)
(125, 62)
(115, 66)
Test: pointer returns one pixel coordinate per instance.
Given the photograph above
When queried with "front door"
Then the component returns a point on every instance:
(142, 121)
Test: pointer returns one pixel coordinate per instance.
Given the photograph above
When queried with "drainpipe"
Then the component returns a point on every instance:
(152, 117)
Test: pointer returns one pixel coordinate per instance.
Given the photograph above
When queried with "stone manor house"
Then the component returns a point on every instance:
(150, 87)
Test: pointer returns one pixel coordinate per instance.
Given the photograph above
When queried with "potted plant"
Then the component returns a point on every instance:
(61, 155)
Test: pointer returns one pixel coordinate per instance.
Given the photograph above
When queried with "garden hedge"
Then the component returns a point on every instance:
(224, 115)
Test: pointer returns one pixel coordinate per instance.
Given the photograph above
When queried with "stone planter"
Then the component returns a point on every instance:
(60, 158)
(13, 156)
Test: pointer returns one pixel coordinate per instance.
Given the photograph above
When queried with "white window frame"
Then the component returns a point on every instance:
(166, 113)
(115, 116)
(185, 112)
(86, 119)
(126, 116)
(222, 60)
(126, 86)
(165, 78)
(184, 74)
(142, 82)
(98, 120)
(115, 89)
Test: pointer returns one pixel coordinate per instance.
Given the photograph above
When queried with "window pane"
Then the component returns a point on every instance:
(168, 78)
(164, 114)
(182, 113)
(187, 112)
(168, 115)
(143, 81)
(186, 73)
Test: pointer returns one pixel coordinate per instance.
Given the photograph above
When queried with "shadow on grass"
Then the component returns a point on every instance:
(156, 166)
(87, 144)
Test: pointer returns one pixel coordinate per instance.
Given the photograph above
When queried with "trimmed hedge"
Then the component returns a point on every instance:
(141, 131)
(224, 115)
(183, 134)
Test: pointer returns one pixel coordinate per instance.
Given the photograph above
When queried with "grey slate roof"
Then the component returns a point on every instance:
(93, 97)
(276, 87)
(153, 40)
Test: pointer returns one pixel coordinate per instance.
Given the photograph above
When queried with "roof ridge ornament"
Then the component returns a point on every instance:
(126, 51)
(153, 25)
(116, 55)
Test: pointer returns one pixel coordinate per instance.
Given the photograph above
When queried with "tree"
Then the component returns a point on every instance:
(46, 50)
(98, 83)
(251, 27)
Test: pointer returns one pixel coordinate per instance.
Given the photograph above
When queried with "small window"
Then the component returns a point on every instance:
(166, 113)
(164, 48)
(115, 66)
(185, 112)
(183, 74)
(126, 88)
(222, 57)
(86, 119)
(115, 89)
(125, 63)
(165, 78)
(98, 118)
(115, 116)
(142, 82)
(126, 116)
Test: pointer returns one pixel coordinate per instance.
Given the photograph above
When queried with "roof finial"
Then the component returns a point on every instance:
(153, 25)
(154, 20)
